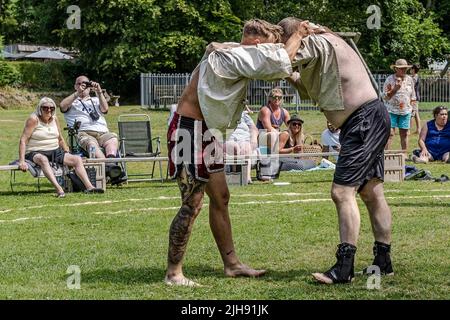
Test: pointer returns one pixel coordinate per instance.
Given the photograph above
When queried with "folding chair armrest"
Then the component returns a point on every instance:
(158, 144)
(121, 150)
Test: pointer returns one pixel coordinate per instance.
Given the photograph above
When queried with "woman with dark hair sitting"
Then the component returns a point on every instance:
(41, 142)
(434, 139)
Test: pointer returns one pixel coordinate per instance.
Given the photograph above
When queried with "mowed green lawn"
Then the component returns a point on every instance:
(119, 239)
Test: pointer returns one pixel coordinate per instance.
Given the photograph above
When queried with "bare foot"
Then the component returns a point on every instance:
(321, 278)
(241, 270)
(180, 281)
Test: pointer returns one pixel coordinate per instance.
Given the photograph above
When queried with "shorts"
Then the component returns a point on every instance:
(400, 121)
(192, 154)
(363, 138)
(85, 138)
(55, 156)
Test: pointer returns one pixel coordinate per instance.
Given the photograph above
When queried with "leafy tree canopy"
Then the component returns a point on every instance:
(118, 39)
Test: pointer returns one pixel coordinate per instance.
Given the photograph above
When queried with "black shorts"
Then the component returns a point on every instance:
(55, 156)
(363, 138)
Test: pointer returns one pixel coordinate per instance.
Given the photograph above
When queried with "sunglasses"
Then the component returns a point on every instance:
(296, 124)
(45, 108)
(277, 97)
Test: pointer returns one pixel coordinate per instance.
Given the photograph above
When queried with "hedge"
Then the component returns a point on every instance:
(52, 75)
(9, 75)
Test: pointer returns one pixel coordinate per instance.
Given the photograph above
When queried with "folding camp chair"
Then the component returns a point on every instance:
(136, 140)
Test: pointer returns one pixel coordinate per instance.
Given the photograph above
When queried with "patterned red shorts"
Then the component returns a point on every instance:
(186, 147)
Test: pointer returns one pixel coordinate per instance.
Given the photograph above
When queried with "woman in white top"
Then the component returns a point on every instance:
(41, 142)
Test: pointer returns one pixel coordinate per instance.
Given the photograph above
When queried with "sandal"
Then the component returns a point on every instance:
(60, 195)
(94, 190)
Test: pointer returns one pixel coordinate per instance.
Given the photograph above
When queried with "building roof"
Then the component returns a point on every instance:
(49, 54)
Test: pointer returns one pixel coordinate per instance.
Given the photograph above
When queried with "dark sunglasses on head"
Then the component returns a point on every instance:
(45, 108)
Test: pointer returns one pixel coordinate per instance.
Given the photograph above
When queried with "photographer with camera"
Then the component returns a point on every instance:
(93, 133)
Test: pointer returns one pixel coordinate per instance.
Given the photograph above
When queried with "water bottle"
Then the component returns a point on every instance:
(91, 152)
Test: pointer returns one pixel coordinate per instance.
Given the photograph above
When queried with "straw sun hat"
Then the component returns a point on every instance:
(400, 63)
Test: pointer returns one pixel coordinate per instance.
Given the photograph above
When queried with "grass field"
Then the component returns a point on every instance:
(119, 239)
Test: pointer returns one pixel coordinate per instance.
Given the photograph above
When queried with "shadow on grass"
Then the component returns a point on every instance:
(156, 275)
(286, 275)
(26, 193)
(145, 275)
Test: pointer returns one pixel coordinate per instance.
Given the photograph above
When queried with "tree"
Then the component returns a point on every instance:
(119, 39)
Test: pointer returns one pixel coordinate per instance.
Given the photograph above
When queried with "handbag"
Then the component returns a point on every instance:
(312, 147)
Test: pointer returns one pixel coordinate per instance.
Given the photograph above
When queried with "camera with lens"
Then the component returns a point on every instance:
(88, 84)
(94, 115)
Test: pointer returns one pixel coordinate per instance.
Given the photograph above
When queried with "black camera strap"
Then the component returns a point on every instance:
(86, 108)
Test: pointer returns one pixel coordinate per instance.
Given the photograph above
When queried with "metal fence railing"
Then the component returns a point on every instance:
(161, 90)
(432, 88)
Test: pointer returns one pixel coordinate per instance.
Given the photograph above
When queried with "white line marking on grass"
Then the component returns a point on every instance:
(420, 197)
(24, 219)
(85, 203)
(134, 210)
(424, 190)
(150, 199)
(259, 202)
(244, 195)
(206, 205)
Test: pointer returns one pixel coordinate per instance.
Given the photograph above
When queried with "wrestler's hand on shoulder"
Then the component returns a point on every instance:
(304, 29)
(218, 45)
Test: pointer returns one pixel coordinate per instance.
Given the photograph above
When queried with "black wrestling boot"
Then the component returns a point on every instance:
(343, 270)
(382, 253)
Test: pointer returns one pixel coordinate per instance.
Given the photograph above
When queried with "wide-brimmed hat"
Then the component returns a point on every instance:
(401, 63)
(295, 118)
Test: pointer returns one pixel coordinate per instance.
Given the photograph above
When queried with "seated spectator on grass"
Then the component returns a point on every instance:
(434, 138)
(291, 141)
(41, 142)
(330, 140)
(244, 139)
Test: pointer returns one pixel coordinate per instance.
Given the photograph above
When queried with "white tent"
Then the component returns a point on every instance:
(49, 54)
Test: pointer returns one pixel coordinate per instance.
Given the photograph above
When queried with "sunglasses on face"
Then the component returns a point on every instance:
(277, 97)
(45, 108)
(296, 124)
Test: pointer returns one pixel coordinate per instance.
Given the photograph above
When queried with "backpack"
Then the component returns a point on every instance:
(77, 184)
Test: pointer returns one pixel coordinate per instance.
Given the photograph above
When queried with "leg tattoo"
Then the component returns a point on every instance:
(180, 229)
